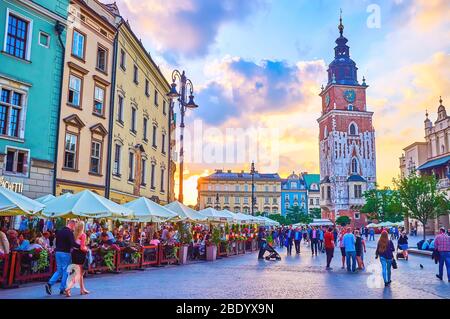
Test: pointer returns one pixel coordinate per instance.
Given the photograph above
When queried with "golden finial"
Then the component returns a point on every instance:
(341, 26)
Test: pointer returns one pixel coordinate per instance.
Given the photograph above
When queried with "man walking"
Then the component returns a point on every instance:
(64, 243)
(350, 250)
(442, 246)
(372, 234)
(261, 242)
(289, 240)
(297, 240)
(329, 246)
(314, 240)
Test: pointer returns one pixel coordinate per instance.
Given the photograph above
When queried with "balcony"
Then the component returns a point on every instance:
(443, 183)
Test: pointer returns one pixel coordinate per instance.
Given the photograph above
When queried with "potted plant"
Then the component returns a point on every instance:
(211, 249)
(185, 233)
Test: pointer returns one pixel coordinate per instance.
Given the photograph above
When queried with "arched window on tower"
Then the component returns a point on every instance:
(353, 129)
(325, 132)
(354, 166)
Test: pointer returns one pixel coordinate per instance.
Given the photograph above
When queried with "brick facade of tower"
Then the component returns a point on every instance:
(346, 140)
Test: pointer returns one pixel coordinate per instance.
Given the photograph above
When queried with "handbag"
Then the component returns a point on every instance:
(394, 264)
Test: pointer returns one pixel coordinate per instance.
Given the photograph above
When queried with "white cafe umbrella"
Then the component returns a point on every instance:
(185, 212)
(13, 204)
(146, 210)
(247, 219)
(45, 199)
(270, 222)
(84, 204)
(214, 215)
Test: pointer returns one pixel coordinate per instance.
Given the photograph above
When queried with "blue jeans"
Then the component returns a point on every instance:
(386, 266)
(444, 257)
(372, 237)
(63, 261)
(351, 254)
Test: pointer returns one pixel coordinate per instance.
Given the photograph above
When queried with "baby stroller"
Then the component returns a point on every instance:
(273, 254)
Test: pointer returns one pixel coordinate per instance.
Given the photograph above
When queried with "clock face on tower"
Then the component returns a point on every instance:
(350, 96)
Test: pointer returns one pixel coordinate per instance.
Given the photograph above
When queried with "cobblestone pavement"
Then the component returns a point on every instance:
(297, 276)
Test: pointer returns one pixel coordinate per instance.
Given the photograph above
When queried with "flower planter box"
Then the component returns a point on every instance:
(24, 270)
(248, 245)
(211, 252)
(183, 254)
(234, 247)
(241, 247)
(167, 254)
(4, 268)
(150, 255)
(223, 249)
(125, 259)
(98, 265)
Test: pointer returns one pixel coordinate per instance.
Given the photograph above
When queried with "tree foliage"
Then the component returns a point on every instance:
(343, 220)
(421, 198)
(383, 205)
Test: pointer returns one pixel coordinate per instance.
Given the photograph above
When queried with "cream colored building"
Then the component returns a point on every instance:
(140, 125)
(84, 117)
(232, 191)
(413, 156)
(431, 157)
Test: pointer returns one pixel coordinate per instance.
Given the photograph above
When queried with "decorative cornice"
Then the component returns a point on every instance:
(78, 68)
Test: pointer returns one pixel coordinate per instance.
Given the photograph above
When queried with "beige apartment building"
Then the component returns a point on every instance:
(84, 118)
(140, 146)
(232, 191)
(431, 157)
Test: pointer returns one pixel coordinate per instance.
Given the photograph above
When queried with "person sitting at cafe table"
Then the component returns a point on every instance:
(23, 243)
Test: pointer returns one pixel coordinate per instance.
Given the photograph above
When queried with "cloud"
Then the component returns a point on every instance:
(242, 88)
(184, 27)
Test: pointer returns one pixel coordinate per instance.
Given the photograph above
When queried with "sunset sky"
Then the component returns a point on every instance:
(261, 63)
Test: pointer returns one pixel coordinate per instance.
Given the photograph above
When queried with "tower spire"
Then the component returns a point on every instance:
(341, 26)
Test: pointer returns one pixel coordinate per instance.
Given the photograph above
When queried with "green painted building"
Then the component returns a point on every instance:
(32, 39)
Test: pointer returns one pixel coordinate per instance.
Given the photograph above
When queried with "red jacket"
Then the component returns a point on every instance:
(329, 240)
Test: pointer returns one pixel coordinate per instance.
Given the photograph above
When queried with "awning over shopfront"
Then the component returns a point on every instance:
(434, 163)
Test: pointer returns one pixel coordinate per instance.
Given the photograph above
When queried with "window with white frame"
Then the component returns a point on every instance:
(44, 39)
(143, 172)
(96, 151)
(99, 100)
(16, 161)
(70, 151)
(131, 167)
(102, 58)
(78, 44)
(357, 191)
(144, 129)
(117, 153)
(133, 120)
(154, 137)
(162, 180)
(18, 36)
(152, 176)
(163, 143)
(122, 59)
(11, 108)
(120, 109)
(354, 166)
(74, 96)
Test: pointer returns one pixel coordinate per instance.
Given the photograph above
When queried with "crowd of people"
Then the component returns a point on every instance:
(352, 245)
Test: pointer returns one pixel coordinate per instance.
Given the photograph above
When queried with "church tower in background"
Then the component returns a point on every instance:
(346, 139)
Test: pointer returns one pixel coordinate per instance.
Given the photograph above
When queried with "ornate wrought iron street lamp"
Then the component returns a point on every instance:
(184, 104)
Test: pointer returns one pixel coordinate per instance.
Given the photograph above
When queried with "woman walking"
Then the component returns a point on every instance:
(403, 244)
(384, 250)
(360, 247)
(78, 259)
